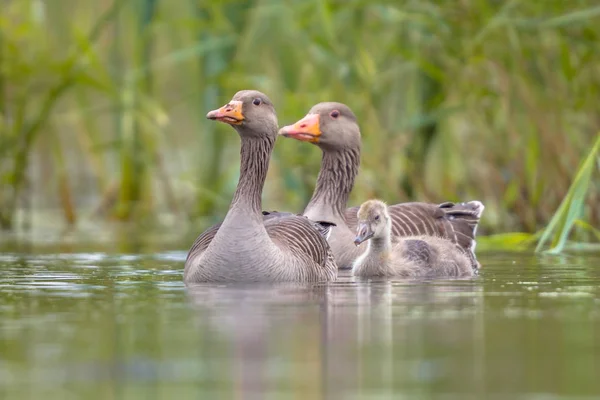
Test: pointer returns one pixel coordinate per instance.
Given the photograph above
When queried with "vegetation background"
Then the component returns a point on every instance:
(103, 103)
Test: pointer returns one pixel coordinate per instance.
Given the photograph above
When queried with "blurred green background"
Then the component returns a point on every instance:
(102, 112)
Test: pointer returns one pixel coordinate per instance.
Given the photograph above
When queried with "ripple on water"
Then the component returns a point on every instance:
(171, 256)
(109, 319)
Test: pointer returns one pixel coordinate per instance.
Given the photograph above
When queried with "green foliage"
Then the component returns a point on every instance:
(478, 99)
(35, 79)
(514, 241)
(571, 208)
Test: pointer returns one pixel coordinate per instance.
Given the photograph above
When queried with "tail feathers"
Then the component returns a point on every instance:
(464, 218)
(469, 212)
(472, 209)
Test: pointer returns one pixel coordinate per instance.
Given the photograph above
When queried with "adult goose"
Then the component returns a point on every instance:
(334, 128)
(407, 257)
(249, 245)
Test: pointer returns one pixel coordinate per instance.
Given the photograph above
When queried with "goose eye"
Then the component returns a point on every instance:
(256, 102)
(334, 114)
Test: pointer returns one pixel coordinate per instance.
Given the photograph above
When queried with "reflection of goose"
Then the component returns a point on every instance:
(333, 127)
(410, 257)
(336, 340)
(269, 333)
(247, 245)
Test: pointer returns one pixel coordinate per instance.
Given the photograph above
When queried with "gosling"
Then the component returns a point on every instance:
(406, 257)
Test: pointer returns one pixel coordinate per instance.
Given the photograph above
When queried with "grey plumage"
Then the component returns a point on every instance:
(249, 245)
(340, 141)
(414, 257)
(454, 221)
(419, 256)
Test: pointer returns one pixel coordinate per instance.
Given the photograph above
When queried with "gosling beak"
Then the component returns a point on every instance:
(305, 130)
(230, 113)
(364, 232)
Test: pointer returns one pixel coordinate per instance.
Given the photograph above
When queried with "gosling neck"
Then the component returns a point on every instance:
(335, 182)
(379, 245)
(382, 243)
(255, 154)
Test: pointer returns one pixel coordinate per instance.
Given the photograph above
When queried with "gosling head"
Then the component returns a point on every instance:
(373, 221)
(331, 126)
(249, 112)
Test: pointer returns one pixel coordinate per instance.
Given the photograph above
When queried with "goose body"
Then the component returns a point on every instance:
(404, 256)
(334, 128)
(249, 245)
(454, 222)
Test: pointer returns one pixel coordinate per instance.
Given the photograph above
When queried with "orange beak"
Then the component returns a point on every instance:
(230, 113)
(305, 130)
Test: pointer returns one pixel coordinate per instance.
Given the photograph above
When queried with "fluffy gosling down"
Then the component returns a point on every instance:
(407, 257)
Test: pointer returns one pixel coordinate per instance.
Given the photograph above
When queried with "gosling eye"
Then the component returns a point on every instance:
(377, 218)
(257, 102)
(334, 114)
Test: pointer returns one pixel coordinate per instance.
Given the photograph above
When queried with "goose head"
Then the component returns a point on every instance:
(374, 221)
(331, 126)
(250, 113)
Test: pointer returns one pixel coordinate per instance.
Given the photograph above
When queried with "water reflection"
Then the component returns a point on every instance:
(99, 325)
(348, 334)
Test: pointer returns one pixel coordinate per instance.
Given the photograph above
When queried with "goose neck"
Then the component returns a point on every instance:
(335, 181)
(380, 244)
(255, 154)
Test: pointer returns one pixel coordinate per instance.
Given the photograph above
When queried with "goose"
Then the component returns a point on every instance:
(407, 257)
(334, 129)
(251, 245)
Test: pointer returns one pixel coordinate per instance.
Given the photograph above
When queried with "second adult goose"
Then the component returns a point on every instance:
(250, 245)
(409, 257)
(334, 128)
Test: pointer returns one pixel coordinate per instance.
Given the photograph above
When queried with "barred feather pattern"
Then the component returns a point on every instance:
(336, 179)
(454, 221)
(302, 240)
(306, 255)
(251, 246)
(255, 154)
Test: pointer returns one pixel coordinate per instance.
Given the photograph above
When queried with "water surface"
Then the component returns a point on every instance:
(116, 326)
